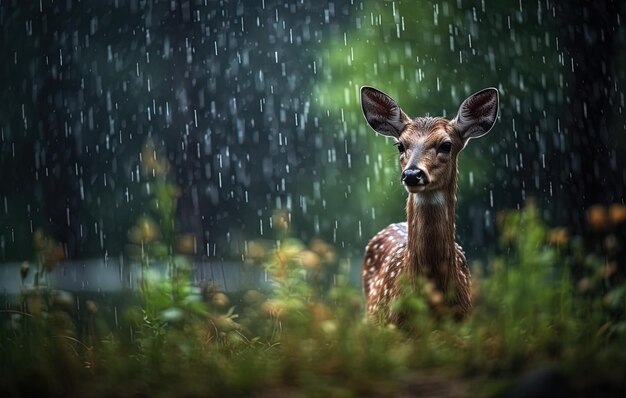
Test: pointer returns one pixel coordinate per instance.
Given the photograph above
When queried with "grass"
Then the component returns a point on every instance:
(549, 313)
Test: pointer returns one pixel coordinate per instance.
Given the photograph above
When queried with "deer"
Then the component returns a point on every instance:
(424, 247)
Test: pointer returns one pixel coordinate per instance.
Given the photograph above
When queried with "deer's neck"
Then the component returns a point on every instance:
(431, 235)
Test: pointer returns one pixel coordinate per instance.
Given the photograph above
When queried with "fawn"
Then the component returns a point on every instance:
(424, 246)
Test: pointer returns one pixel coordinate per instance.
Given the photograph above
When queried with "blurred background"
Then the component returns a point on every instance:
(252, 108)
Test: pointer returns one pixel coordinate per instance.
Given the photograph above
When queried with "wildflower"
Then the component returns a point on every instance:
(608, 270)
(256, 250)
(50, 252)
(272, 308)
(220, 300)
(433, 295)
(187, 244)
(145, 231)
(91, 307)
(617, 213)
(508, 234)
(326, 251)
(558, 236)
(309, 259)
(281, 220)
(329, 327)
(320, 312)
(597, 217)
(610, 299)
(611, 244)
(148, 229)
(34, 302)
(40, 240)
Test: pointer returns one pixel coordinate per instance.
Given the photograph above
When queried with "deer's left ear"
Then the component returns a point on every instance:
(477, 114)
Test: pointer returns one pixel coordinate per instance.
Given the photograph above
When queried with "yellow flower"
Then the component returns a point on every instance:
(326, 251)
(91, 307)
(433, 295)
(617, 213)
(187, 244)
(597, 217)
(608, 270)
(272, 308)
(145, 231)
(611, 244)
(320, 312)
(329, 327)
(280, 220)
(149, 230)
(309, 259)
(558, 236)
(50, 252)
(220, 300)
(256, 250)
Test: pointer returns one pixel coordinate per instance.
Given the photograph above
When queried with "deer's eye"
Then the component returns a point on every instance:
(446, 147)
(400, 147)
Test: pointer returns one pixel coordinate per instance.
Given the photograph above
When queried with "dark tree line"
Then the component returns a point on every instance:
(594, 40)
(226, 91)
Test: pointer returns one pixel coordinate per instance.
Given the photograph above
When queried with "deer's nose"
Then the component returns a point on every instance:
(414, 176)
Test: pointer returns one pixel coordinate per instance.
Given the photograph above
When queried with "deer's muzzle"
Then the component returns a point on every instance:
(414, 176)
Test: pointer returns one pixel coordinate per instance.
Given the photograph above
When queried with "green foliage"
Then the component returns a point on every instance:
(599, 265)
(171, 298)
(172, 305)
(528, 298)
(313, 322)
(429, 56)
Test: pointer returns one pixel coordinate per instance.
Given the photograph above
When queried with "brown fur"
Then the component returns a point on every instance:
(424, 246)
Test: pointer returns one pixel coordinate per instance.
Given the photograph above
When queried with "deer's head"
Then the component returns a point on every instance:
(429, 146)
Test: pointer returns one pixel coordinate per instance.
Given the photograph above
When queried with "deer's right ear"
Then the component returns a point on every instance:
(382, 113)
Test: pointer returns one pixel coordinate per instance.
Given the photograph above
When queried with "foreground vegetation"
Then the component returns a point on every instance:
(306, 336)
(549, 314)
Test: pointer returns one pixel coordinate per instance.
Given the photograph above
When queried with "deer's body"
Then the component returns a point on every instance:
(425, 245)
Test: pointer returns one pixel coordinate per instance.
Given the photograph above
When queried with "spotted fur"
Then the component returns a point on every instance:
(384, 264)
(424, 246)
